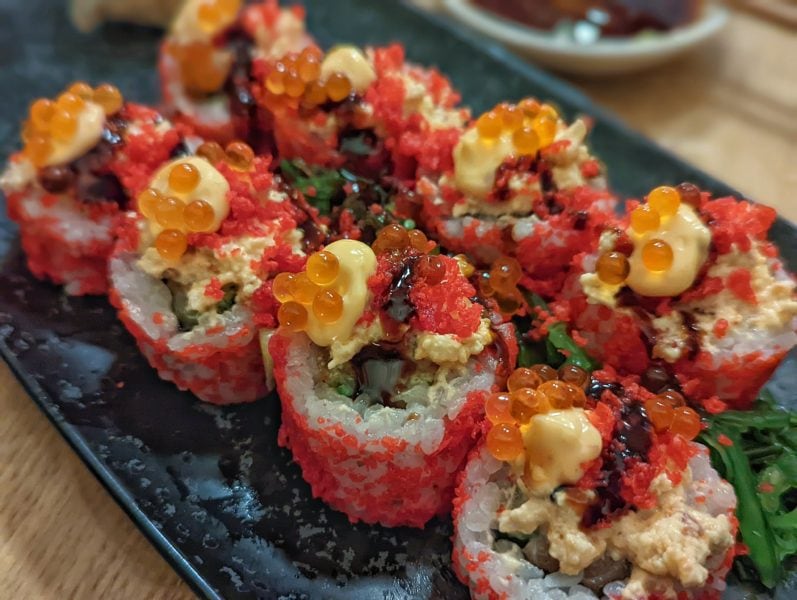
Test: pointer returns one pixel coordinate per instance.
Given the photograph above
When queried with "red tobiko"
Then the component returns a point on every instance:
(737, 222)
(445, 306)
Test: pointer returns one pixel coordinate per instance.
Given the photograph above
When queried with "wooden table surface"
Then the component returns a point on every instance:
(730, 108)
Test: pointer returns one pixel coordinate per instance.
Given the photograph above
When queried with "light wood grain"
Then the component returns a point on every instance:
(61, 534)
(730, 108)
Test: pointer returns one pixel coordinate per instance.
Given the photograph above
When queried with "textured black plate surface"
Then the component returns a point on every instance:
(209, 486)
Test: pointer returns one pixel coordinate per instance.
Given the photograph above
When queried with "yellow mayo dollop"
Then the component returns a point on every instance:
(557, 444)
(689, 239)
(90, 123)
(357, 263)
(350, 61)
(212, 188)
(476, 159)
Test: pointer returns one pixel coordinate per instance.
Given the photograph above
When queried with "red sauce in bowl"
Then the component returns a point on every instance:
(615, 18)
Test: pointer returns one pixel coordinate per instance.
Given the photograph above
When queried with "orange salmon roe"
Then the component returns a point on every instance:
(574, 374)
(391, 237)
(433, 269)
(660, 412)
(497, 408)
(70, 102)
(199, 215)
(41, 112)
(504, 441)
(292, 316)
(200, 73)
(309, 64)
(657, 255)
(303, 290)
(338, 87)
(665, 200)
(328, 306)
(109, 97)
(544, 125)
(171, 244)
(418, 239)
(673, 397)
(523, 378)
(282, 287)
(644, 219)
(526, 141)
(612, 268)
(323, 268)
(212, 152)
(511, 117)
(239, 156)
(562, 395)
(183, 178)
(685, 422)
(63, 125)
(81, 89)
(148, 201)
(59, 120)
(546, 372)
(489, 125)
(38, 149)
(526, 403)
(504, 274)
(169, 212)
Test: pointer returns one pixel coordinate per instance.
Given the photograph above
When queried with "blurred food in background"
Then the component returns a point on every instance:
(598, 18)
(88, 14)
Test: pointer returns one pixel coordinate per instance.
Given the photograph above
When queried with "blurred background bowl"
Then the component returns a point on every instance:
(559, 50)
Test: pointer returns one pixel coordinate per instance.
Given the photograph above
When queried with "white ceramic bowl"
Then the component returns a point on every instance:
(603, 57)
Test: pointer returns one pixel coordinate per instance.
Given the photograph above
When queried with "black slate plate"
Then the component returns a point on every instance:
(208, 486)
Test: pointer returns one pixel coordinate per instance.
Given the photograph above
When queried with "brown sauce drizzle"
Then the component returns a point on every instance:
(631, 442)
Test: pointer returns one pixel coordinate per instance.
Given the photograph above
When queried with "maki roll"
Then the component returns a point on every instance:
(207, 235)
(688, 288)
(521, 183)
(363, 109)
(382, 364)
(207, 63)
(600, 494)
(85, 153)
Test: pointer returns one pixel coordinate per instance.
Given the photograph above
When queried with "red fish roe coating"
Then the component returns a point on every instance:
(736, 222)
(737, 380)
(219, 375)
(443, 308)
(388, 477)
(739, 282)
(145, 150)
(446, 307)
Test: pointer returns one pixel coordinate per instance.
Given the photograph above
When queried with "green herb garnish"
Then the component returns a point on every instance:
(558, 348)
(228, 301)
(756, 451)
(323, 188)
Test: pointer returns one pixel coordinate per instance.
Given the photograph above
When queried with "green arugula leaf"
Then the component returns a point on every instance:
(761, 464)
(321, 187)
(560, 348)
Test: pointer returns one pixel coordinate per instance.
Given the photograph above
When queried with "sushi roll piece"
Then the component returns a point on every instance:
(85, 154)
(207, 235)
(382, 364)
(591, 488)
(207, 64)
(688, 288)
(522, 183)
(367, 110)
